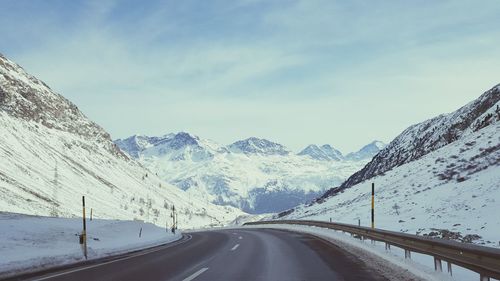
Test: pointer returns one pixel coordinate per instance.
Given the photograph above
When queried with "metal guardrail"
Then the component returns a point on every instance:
(483, 260)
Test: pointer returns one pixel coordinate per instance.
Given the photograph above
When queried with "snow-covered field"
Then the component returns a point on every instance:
(391, 264)
(452, 192)
(34, 243)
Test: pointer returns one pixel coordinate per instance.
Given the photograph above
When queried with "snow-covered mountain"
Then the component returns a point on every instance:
(366, 152)
(258, 146)
(439, 178)
(256, 175)
(428, 136)
(325, 153)
(51, 155)
(177, 147)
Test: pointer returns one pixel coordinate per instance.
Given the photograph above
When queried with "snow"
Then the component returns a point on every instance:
(455, 188)
(33, 243)
(391, 264)
(51, 155)
(254, 175)
(430, 135)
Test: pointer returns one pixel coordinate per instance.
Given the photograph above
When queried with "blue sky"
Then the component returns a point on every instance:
(295, 72)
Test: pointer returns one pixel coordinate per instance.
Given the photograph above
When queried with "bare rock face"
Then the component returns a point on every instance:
(26, 97)
(423, 138)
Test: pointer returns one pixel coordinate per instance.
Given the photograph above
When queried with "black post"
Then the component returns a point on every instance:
(84, 234)
(373, 205)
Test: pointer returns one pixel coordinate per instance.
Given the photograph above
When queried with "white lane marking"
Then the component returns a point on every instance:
(240, 237)
(196, 274)
(235, 247)
(121, 259)
(235, 233)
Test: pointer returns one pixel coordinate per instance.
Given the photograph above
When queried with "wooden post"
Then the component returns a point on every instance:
(373, 205)
(84, 233)
(91, 214)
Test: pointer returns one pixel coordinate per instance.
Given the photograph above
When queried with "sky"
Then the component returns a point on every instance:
(295, 72)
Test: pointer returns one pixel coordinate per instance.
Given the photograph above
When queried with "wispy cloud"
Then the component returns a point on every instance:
(295, 71)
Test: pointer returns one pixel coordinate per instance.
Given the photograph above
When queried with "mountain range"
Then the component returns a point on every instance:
(254, 174)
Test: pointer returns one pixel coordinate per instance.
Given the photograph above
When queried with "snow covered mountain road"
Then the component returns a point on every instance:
(231, 254)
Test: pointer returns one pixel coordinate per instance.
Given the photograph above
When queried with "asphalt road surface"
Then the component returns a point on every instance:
(235, 255)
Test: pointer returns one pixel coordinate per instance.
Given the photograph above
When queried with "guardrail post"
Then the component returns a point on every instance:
(438, 266)
(407, 254)
(450, 271)
(484, 278)
(387, 246)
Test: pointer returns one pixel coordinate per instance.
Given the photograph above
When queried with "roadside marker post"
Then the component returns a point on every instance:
(84, 233)
(373, 205)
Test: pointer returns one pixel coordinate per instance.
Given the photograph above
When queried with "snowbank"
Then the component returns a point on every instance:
(33, 243)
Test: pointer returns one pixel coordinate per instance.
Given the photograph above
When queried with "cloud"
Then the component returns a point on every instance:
(297, 71)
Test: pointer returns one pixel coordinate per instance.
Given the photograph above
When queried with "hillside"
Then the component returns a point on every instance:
(450, 189)
(51, 155)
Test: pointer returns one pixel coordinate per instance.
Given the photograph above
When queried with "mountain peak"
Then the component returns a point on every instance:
(324, 153)
(367, 151)
(182, 139)
(255, 145)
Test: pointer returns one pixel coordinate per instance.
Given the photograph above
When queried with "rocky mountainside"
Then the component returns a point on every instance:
(423, 138)
(450, 189)
(51, 155)
(255, 175)
(25, 97)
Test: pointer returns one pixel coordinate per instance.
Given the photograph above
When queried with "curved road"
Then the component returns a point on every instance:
(242, 254)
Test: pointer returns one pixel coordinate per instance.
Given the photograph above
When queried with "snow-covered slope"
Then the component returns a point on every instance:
(425, 137)
(452, 189)
(256, 175)
(51, 155)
